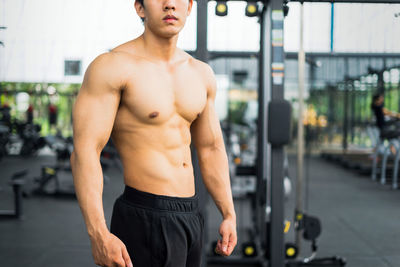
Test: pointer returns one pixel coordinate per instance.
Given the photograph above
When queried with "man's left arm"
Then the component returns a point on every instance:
(207, 137)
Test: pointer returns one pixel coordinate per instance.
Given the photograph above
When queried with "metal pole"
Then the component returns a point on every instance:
(345, 110)
(331, 110)
(261, 191)
(202, 19)
(300, 126)
(203, 55)
(274, 62)
(345, 104)
(332, 24)
(353, 111)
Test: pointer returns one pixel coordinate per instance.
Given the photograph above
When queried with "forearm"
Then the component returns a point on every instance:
(214, 167)
(88, 181)
(389, 113)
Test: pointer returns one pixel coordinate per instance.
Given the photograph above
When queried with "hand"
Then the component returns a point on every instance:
(227, 230)
(110, 252)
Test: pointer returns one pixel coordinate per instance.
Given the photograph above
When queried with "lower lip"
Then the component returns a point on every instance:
(169, 20)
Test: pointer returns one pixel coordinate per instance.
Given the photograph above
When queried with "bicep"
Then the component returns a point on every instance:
(94, 110)
(206, 130)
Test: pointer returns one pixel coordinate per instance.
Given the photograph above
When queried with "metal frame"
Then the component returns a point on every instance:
(323, 1)
(274, 54)
(201, 53)
(211, 55)
(269, 159)
(267, 173)
(293, 55)
(349, 1)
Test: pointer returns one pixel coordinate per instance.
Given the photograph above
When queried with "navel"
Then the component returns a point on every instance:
(184, 165)
(153, 114)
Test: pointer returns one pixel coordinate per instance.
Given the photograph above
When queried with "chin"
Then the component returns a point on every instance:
(165, 31)
(169, 33)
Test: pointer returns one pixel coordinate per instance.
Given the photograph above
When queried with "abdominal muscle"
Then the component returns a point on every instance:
(157, 160)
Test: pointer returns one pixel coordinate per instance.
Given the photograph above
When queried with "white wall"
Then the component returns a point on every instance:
(41, 34)
(367, 28)
(357, 27)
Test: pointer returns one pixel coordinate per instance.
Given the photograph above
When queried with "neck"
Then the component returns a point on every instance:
(163, 49)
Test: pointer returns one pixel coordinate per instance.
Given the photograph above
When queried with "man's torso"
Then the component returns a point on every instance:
(152, 126)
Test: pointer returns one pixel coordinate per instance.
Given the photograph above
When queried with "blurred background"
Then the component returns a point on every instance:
(352, 52)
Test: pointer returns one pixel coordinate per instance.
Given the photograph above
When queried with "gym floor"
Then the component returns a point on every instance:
(360, 219)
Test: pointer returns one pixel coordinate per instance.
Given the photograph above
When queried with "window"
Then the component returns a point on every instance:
(72, 67)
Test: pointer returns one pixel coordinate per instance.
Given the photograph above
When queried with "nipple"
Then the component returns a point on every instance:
(153, 115)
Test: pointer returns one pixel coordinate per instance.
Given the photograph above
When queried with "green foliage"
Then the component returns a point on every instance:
(40, 99)
(330, 102)
(237, 110)
(38, 88)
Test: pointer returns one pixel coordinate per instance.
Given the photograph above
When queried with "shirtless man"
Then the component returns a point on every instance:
(153, 99)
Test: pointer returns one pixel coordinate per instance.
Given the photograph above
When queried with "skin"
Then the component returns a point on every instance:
(153, 99)
(386, 112)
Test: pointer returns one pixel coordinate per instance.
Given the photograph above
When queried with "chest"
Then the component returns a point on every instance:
(155, 96)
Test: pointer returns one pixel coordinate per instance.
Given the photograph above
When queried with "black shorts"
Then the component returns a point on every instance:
(159, 230)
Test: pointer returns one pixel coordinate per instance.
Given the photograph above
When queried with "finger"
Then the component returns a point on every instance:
(232, 243)
(119, 263)
(233, 239)
(230, 250)
(218, 248)
(127, 259)
(219, 244)
(225, 241)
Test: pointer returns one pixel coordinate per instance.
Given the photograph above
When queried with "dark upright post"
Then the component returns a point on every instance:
(272, 69)
(201, 54)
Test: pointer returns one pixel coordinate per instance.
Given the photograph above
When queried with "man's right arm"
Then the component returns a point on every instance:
(390, 113)
(93, 118)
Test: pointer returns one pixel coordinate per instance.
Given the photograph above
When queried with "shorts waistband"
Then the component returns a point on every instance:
(160, 202)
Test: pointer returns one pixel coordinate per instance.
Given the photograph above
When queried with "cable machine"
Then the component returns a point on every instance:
(274, 115)
(269, 166)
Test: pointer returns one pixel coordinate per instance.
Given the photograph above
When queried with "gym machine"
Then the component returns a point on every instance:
(268, 227)
(55, 180)
(269, 197)
(17, 182)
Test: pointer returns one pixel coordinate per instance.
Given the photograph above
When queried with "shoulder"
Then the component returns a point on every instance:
(106, 61)
(104, 71)
(206, 73)
(111, 66)
(202, 67)
(117, 58)
(196, 64)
